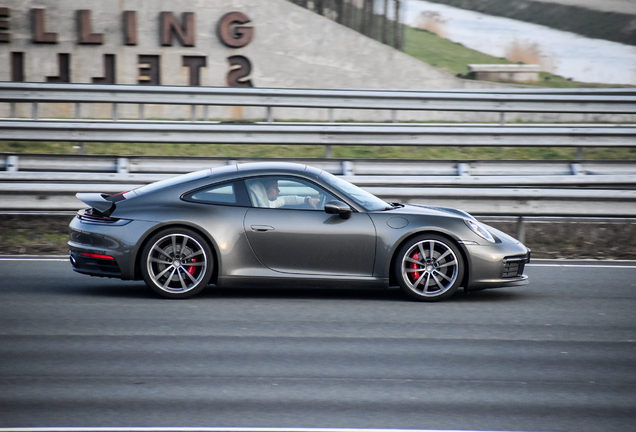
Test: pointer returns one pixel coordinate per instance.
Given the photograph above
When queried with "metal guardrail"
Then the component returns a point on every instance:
(614, 101)
(527, 190)
(510, 188)
(322, 134)
(603, 101)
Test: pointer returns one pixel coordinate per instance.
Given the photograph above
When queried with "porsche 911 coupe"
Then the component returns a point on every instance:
(278, 224)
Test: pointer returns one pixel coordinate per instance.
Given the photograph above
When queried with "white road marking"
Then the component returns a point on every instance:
(218, 429)
(595, 265)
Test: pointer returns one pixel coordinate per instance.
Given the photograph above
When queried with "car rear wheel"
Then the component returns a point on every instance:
(177, 263)
(429, 268)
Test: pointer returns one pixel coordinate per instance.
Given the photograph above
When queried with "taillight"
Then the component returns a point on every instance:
(95, 256)
(94, 215)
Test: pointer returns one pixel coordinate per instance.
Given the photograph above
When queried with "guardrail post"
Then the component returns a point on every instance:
(122, 165)
(577, 169)
(193, 113)
(463, 169)
(12, 163)
(502, 118)
(14, 111)
(521, 230)
(78, 115)
(579, 153)
(347, 168)
(142, 111)
(115, 113)
(269, 115)
(206, 114)
(35, 111)
(328, 148)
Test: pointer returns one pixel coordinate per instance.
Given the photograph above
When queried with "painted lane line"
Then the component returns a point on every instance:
(219, 429)
(600, 266)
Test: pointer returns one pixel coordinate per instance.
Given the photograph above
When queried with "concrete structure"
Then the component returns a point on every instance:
(505, 72)
(196, 42)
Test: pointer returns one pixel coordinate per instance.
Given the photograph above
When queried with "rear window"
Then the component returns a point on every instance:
(173, 181)
(220, 194)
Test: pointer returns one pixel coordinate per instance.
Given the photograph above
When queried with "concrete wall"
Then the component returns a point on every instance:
(291, 48)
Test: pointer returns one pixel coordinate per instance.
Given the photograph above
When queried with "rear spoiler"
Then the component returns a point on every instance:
(98, 202)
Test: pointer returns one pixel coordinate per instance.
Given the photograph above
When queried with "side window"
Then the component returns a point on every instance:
(226, 193)
(286, 192)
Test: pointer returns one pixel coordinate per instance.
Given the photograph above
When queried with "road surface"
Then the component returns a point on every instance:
(556, 355)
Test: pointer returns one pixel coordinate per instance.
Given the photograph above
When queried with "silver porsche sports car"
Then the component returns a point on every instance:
(281, 223)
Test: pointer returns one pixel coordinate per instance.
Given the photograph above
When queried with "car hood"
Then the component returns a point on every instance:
(419, 209)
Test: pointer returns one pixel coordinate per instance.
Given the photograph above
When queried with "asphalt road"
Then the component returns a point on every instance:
(556, 355)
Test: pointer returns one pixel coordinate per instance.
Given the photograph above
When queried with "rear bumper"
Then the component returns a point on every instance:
(94, 266)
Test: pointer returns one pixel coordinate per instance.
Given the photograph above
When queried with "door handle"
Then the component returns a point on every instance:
(262, 228)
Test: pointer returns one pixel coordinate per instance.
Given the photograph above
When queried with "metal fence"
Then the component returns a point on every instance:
(594, 101)
(481, 187)
(509, 188)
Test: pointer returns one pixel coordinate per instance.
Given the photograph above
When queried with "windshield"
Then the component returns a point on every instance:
(363, 198)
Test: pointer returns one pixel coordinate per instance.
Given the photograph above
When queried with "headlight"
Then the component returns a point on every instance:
(480, 230)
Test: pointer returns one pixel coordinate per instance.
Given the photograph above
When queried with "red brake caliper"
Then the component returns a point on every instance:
(415, 275)
(191, 269)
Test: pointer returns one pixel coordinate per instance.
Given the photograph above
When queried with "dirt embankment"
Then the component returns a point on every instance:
(47, 235)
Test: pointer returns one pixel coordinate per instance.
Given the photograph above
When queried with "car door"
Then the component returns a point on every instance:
(298, 238)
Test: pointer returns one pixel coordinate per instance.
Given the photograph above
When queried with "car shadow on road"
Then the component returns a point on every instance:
(138, 290)
(372, 294)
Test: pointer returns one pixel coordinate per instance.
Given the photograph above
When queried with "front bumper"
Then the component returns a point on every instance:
(497, 266)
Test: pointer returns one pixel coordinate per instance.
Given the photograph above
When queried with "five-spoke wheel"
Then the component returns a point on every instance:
(177, 263)
(429, 267)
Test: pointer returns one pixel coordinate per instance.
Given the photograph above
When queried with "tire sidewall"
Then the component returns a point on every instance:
(143, 263)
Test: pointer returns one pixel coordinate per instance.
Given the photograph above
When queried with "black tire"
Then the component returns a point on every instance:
(177, 263)
(429, 267)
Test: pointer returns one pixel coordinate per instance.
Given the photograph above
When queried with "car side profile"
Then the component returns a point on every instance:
(276, 224)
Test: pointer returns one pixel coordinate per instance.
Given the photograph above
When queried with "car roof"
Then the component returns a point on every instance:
(271, 166)
(260, 168)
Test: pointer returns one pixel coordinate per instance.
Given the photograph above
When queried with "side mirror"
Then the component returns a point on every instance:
(339, 208)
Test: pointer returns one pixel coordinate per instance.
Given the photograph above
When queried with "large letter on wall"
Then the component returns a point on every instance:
(231, 31)
(64, 67)
(5, 24)
(109, 71)
(170, 26)
(130, 27)
(149, 67)
(85, 29)
(38, 27)
(240, 68)
(194, 65)
(17, 66)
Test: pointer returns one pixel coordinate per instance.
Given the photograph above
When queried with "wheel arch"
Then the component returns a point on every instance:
(204, 234)
(446, 235)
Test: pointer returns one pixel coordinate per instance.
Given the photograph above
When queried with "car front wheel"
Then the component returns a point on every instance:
(177, 263)
(429, 268)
